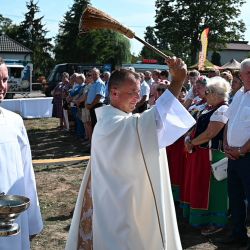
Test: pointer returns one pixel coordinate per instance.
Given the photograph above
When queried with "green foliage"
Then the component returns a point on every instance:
(33, 35)
(179, 24)
(96, 47)
(13, 31)
(8, 28)
(135, 58)
(4, 23)
(150, 37)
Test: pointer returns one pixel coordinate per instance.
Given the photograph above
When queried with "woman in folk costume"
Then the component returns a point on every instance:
(127, 203)
(176, 153)
(195, 110)
(207, 197)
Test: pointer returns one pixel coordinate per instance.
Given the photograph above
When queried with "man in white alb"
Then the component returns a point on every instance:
(16, 172)
(132, 199)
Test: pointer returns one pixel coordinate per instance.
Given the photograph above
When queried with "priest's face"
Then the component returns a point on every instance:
(3, 81)
(127, 95)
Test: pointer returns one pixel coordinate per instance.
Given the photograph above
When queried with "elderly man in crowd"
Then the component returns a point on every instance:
(148, 78)
(142, 105)
(193, 77)
(96, 95)
(237, 148)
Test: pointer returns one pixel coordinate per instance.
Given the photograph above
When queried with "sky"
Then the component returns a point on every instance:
(135, 14)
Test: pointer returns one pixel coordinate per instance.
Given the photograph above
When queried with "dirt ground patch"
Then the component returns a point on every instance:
(58, 186)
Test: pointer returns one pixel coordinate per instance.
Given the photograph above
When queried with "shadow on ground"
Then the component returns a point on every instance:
(51, 143)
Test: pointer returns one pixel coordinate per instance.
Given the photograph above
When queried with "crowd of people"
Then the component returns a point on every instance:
(217, 101)
(154, 138)
(76, 97)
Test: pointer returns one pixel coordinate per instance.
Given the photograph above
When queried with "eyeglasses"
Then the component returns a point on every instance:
(88, 75)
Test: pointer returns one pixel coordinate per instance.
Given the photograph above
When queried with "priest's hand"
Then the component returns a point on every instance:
(178, 71)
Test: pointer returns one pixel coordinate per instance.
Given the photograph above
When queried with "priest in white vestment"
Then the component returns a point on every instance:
(16, 172)
(131, 193)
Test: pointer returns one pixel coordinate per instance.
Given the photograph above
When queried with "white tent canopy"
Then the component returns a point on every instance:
(232, 64)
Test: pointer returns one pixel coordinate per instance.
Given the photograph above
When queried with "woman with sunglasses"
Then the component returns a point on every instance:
(208, 197)
(200, 102)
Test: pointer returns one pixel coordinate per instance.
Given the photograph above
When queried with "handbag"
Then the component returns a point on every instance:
(219, 169)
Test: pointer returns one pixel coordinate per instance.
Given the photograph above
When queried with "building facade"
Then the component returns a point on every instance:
(235, 50)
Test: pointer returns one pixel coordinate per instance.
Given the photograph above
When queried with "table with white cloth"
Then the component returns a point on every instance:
(30, 107)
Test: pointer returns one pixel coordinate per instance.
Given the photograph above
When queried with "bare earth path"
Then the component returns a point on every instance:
(58, 185)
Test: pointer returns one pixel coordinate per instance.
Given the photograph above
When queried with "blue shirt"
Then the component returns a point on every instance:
(97, 88)
(76, 90)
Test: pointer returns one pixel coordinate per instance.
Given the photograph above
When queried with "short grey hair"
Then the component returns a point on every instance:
(96, 70)
(106, 73)
(74, 75)
(148, 73)
(219, 86)
(245, 63)
(131, 68)
(81, 77)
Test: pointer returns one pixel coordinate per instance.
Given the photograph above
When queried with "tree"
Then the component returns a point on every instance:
(32, 34)
(8, 28)
(4, 23)
(150, 37)
(13, 31)
(95, 47)
(104, 46)
(179, 24)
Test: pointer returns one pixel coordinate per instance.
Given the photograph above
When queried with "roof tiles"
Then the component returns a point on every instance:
(238, 46)
(7, 44)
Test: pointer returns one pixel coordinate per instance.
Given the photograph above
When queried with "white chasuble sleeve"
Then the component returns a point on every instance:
(172, 119)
